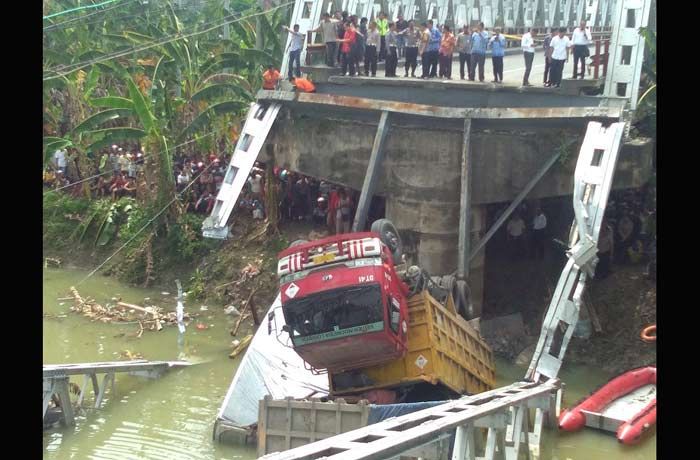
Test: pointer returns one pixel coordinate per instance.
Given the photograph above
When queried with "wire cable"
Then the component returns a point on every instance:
(79, 8)
(79, 66)
(115, 54)
(80, 18)
(163, 40)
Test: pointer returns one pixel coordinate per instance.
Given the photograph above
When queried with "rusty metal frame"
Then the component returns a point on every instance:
(502, 113)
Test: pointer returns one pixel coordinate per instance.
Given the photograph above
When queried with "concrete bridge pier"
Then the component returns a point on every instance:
(429, 231)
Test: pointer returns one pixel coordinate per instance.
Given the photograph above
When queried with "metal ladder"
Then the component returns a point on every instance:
(592, 182)
(257, 126)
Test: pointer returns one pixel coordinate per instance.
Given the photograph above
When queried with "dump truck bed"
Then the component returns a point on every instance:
(443, 348)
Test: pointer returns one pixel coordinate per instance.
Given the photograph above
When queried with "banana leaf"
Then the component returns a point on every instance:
(112, 102)
(140, 106)
(109, 135)
(204, 118)
(100, 118)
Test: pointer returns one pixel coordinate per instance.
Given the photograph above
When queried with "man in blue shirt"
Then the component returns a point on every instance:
(498, 46)
(432, 50)
(479, 43)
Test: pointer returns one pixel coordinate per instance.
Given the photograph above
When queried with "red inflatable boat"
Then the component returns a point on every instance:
(630, 431)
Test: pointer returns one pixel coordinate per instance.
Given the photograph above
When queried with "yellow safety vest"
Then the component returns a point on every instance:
(383, 26)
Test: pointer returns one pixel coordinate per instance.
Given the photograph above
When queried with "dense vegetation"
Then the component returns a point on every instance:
(160, 74)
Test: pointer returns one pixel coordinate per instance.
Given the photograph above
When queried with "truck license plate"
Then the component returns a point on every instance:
(323, 258)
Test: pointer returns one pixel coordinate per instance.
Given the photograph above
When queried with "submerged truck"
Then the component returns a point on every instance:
(382, 331)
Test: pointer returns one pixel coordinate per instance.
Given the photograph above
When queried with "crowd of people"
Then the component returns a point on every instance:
(116, 177)
(359, 44)
(627, 233)
(198, 179)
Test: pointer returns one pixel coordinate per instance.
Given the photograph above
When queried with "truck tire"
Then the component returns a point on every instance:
(466, 309)
(297, 243)
(460, 295)
(389, 236)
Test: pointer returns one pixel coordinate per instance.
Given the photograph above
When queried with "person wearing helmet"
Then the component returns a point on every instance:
(320, 211)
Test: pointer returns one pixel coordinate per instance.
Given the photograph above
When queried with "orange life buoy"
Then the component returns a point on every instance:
(645, 335)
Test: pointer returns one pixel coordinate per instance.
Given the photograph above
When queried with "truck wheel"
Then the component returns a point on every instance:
(389, 236)
(297, 243)
(464, 300)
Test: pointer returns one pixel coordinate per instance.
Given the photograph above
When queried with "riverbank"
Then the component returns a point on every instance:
(243, 269)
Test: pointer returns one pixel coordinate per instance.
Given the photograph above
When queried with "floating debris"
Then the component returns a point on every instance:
(164, 293)
(241, 346)
(231, 310)
(203, 308)
(151, 317)
(52, 262)
(201, 327)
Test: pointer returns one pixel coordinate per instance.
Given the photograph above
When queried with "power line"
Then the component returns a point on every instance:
(115, 18)
(80, 18)
(79, 8)
(79, 66)
(164, 40)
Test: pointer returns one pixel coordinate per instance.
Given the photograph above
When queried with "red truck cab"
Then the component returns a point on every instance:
(343, 303)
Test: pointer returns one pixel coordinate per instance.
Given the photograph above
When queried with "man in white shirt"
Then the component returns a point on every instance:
(328, 30)
(528, 46)
(295, 47)
(59, 157)
(516, 234)
(539, 230)
(560, 45)
(581, 39)
(255, 182)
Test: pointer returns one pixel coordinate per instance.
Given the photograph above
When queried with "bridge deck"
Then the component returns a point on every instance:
(51, 370)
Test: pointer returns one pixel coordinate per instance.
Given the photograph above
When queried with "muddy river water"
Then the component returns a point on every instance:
(172, 417)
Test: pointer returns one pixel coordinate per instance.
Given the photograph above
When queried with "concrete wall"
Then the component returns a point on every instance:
(421, 174)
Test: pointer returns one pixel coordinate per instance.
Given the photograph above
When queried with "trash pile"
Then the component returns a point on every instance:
(150, 318)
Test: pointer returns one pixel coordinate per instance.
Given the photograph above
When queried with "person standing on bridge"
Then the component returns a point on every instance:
(371, 46)
(392, 57)
(581, 39)
(528, 45)
(432, 50)
(560, 54)
(480, 40)
(383, 27)
(546, 46)
(401, 25)
(447, 49)
(464, 47)
(348, 43)
(295, 46)
(328, 31)
(498, 47)
(411, 39)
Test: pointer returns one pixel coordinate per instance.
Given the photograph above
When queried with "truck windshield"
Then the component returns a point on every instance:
(336, 313)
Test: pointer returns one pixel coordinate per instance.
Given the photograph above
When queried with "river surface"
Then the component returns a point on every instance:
(172, 417)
